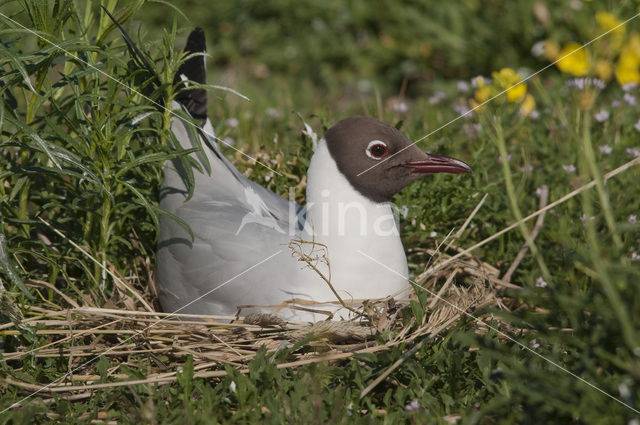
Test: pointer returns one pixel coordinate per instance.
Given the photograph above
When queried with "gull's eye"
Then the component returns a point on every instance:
(377, 150)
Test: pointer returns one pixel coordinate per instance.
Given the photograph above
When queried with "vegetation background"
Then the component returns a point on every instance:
(73, 154)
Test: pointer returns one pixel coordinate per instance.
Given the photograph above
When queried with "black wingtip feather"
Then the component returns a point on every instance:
(194, 69)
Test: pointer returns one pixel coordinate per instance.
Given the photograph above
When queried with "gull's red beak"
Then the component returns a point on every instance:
(438, 164)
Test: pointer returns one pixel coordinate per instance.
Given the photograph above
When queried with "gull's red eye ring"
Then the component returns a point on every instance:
(377, 150)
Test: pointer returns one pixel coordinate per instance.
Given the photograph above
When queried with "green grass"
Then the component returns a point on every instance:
(71, 156)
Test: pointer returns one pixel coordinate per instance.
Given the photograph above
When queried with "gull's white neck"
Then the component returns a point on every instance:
(351, 225)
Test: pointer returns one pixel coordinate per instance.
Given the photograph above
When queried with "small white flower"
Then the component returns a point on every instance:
(598, 83)
(576, 82)
(539, 192)
(414, 405)
(268, 177)
(436, 98)
(605, 149)
(569, 168)
(402, 107)
(628, 86)
(633, 219)
(635, 256)
(581, 83)
(538, 49)
(534, 115)
(584, 217)
(637, 125)
(463, 110)
(540, 283)
(228, 141)
(634, 152)
(527, 169)
(232, 386)
(232, 122)
(602, 115)
(508, 158)
(463, 86)
(631, 100)
(433, 234)
(479, 80)
(534, 344)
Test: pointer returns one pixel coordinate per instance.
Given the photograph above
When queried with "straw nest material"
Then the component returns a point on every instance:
(158, 343)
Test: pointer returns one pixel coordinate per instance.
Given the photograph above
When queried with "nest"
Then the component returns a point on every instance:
(158, 343)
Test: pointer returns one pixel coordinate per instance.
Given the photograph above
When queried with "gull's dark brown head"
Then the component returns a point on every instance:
(378, 160)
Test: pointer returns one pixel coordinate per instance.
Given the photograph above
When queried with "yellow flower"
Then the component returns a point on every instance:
(627, 70)
(603, 69)
(574, 60)
(482, 94)
(476, 106)
(608, 21)
(508, 79)
(551, 50)
(478, 81)
(514, 94)
(633, 45)
(527, 106)
(505, 77)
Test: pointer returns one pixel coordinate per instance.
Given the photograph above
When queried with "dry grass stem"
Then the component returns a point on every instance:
(125, 337)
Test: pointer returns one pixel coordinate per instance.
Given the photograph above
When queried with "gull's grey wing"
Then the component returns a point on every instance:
(235, 223)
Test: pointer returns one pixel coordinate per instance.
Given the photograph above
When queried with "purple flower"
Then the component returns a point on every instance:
(569, 168)
(605, 149)
(436, 98)
(616, 104)
(628, 86)
(463, 110)
(602, 115)
(635, 256)
(540, 283)
(631, 100)
(414, 405)
(632, 218)
(534, 115)
(634, 152)
(581, 83)
(463, 86)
